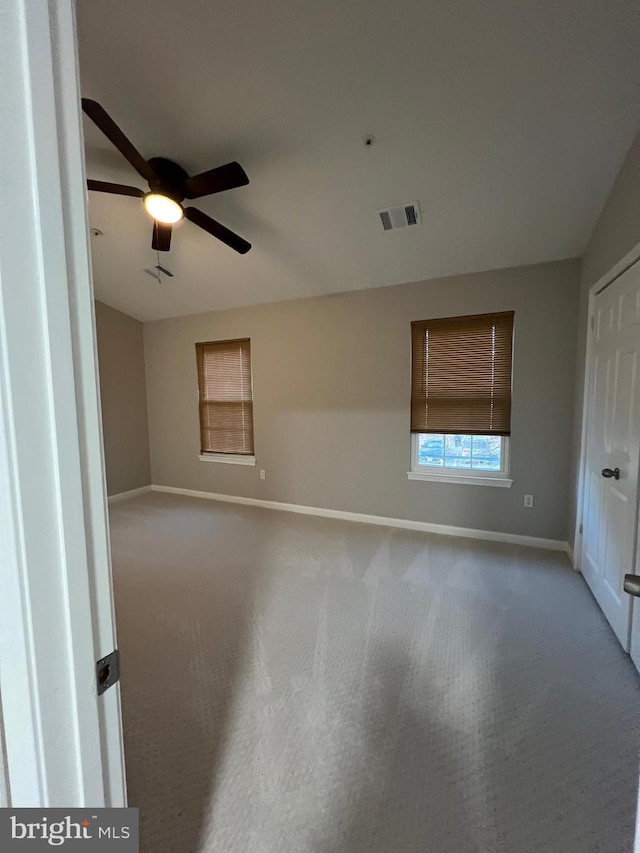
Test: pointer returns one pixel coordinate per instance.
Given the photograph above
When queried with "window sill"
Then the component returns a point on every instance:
(228, 458)
(467, 480)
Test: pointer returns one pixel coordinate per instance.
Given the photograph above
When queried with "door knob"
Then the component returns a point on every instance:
(632, 584)
(611, 472)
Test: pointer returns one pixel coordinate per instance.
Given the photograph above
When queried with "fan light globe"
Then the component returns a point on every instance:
(163, 208)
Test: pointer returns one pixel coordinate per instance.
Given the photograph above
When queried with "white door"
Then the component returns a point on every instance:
(613, 442)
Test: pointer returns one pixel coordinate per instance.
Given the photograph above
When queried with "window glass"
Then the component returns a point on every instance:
(471, 452)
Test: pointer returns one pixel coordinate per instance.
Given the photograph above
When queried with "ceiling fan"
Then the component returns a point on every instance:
(169, 185)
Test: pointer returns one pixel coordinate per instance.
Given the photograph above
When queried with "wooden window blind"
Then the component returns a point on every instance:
(461, 375)
(226, 398)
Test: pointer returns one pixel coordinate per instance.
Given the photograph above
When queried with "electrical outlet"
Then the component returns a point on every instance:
(263, 473)
(528, 500)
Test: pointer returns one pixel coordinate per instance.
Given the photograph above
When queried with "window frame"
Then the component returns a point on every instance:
(466, 476)
(227, 458)
(452, 422)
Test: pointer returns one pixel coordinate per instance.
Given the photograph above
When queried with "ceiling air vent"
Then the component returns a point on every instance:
(401, 216)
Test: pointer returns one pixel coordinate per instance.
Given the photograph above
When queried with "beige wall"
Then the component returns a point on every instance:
(124, 400)
(616, 233)
(617, 230)
(331, 388)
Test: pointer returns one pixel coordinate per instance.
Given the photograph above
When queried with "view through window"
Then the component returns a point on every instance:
(475, 452)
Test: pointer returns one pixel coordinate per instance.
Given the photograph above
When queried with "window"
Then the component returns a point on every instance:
(225, 401)
(461, 399)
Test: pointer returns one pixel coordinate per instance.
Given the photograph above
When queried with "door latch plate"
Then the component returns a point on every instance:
(107, 671)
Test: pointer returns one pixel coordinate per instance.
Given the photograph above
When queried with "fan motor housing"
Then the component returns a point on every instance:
(170, 178)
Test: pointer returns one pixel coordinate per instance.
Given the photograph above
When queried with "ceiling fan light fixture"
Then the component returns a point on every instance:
(163, 209)
(169, 185)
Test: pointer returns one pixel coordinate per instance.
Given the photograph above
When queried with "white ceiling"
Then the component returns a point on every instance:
(507, 120)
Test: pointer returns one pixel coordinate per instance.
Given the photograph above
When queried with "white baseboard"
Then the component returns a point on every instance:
(124, 496)
(425, 526)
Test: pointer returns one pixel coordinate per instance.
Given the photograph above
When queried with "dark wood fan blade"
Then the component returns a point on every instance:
(215, 181)
(116, 189)
(161, 237)
(113, 133)
(231, 239)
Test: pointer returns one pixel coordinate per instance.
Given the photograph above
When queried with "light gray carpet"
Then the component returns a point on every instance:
(301, 685)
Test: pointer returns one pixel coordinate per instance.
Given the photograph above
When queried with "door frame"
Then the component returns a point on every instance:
(603, 282)
(61, 742)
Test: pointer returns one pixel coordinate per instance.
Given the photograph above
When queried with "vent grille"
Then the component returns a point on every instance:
(386, 220)
(401, 216)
